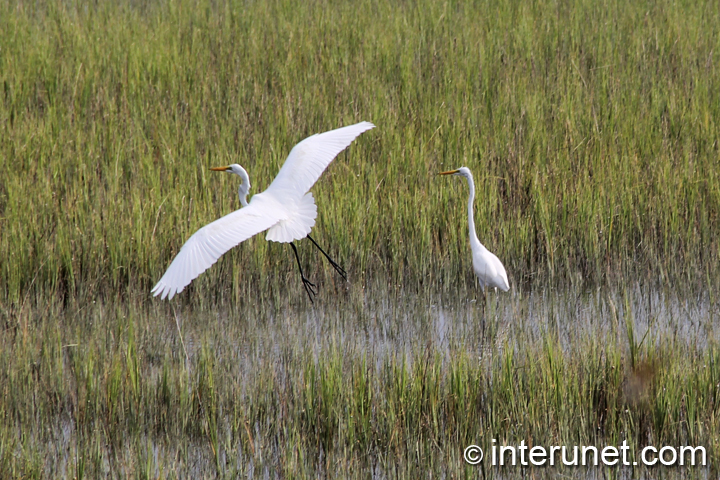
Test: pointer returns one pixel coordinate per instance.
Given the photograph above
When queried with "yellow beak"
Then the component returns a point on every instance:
(219, 169)
(450, 172)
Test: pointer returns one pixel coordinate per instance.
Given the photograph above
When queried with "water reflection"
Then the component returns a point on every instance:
(410, 325)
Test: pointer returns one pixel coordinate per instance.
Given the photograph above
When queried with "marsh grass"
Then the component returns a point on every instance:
(395, 386)
(591, 128)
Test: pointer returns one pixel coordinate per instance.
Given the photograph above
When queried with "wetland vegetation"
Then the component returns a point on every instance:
(592, 132)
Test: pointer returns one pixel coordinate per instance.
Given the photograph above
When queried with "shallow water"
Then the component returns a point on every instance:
(411, 324)
(254, 345)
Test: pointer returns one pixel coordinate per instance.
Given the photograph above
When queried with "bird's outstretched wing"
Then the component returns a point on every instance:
(309, 159)
(209, 243)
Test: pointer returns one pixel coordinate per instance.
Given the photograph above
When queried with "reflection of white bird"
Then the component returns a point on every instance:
(487, 266)
(286, 210)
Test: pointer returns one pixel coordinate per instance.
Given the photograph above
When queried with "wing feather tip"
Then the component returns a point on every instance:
(164, 291)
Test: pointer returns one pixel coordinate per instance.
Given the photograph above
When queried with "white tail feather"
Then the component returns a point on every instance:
(298, 224)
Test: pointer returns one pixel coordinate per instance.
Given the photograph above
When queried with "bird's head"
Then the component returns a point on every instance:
(244, 188)
(237, 170)
(462, 171)
(234, 168)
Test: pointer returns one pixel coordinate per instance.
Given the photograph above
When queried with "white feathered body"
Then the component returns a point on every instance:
(286, 209)
(489, 269)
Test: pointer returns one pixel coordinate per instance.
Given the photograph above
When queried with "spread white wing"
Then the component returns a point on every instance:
(209, 243)
(309, 159)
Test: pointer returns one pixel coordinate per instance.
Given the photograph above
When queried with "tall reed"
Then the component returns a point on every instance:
(591, 128)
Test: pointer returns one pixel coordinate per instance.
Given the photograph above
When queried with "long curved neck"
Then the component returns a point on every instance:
(243, 193)
(244, 187)
(471, 216)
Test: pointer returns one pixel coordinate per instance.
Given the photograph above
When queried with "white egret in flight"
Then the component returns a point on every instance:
(286, 210)
(487, 266)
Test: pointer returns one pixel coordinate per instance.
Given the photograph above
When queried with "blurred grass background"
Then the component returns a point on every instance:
(591, 128)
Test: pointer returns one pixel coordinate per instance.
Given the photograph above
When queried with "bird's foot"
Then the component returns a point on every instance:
(338, 269)
(310, 288)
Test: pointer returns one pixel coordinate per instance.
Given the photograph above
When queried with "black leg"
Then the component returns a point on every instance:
(337, 267)
(309, 286)
(484, 314)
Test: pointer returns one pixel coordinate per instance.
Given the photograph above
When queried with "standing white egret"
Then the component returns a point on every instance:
(286, 210)
(487, 266)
